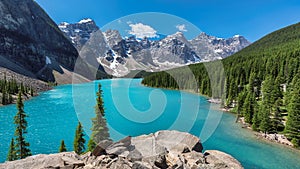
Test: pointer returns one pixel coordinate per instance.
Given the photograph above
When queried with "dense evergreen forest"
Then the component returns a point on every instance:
(10, 88)
(260, 83)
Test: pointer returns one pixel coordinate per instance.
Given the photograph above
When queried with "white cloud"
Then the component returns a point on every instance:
(181, 28)
(140, 31)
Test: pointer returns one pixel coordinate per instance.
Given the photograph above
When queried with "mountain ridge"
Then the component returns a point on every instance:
(119, 55)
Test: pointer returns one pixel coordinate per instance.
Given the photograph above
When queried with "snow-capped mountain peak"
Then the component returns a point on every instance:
(79, 33)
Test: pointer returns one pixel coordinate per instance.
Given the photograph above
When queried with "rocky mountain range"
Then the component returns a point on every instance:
(119, 55)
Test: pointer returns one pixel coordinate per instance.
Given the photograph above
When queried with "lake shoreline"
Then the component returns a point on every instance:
(274, 138)
(281, 139)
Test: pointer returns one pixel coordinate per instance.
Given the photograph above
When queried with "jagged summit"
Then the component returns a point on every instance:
(79, 33)
(211, 48)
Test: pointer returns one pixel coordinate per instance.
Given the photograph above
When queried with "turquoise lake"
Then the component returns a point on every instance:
(54, 115)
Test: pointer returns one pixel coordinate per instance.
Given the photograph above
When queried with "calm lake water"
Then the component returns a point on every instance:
(132, 109)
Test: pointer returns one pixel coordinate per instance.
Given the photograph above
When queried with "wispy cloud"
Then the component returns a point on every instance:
(181, 28)
(141, 30)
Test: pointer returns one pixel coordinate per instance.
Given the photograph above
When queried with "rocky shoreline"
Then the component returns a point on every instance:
(160, 150)
(277, 138)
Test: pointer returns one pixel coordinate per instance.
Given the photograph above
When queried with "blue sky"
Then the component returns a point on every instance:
(223, 18)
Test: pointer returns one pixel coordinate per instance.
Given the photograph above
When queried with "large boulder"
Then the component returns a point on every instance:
(221, 159)
(100, 148)
(178, 142)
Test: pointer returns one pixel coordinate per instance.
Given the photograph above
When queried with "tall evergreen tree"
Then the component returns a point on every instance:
(11, 156)
(265, 119)
(99, 126)
(249, 107)
(79, 140)
(277, 119)
(255, 121)
(4, 96)
(22, 149)
(292, 128)
(62, 147)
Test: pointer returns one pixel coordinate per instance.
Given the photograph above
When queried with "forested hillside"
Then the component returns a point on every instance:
(9, 88)
(261, 82)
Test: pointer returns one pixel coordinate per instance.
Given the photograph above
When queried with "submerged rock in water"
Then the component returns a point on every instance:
(163, 149)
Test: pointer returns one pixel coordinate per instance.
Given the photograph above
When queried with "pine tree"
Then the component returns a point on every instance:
(79, 140)
(240, 102)
(292, 128)
(99, 126)
(91, 145)
(62, 147)
(31, 91)
(277, 119)
(22, 149)
(265, 119)
(12, 151)
(255, 121)
(4, 96)
(248, 108)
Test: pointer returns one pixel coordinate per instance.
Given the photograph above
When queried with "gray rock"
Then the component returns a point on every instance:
(161, 162)
(147, 146)
(116, 150)
(100, 148)
(134, 156)
(221, 160)
(121, 163)
(193, 159)
(178, 141)
(121, 147)
(61, 160)
(141, 165)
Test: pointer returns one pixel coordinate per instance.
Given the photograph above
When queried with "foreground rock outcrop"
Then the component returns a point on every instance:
(161, 150)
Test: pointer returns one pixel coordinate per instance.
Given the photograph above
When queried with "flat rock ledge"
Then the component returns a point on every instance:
(161, 150)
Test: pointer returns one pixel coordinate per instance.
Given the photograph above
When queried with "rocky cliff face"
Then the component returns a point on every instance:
(119, 56)
(161, 150)
(31, 44)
